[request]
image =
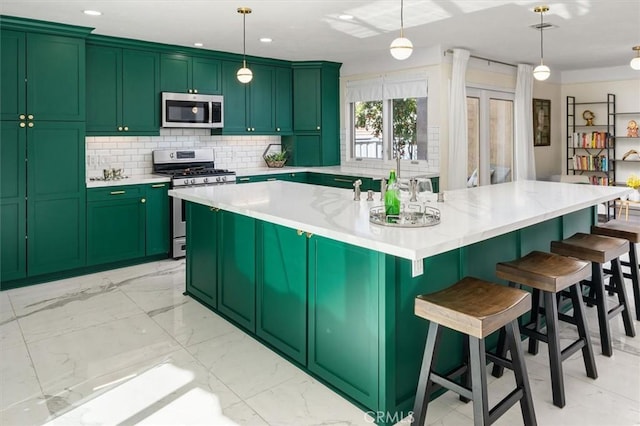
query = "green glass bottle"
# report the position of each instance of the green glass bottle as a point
(392, 196)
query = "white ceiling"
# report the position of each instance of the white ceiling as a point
(589, 33)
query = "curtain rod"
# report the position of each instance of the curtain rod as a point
(484, 59)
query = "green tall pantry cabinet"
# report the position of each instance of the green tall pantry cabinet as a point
(316, 110)
(43, 150)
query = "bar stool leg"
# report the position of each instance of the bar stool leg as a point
(583, 330)
(618, 279)
(479, 381)
(597, 284)
(555, 356)
(424, 382)
(635, 277)
(537, 318)
(520, 372)
(466, 376)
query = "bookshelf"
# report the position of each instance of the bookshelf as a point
(591, 148)
(623, 145)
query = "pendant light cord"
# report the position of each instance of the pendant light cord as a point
(244, 40)
(401, 18)
(541, 37)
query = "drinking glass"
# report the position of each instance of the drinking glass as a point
(425, 189)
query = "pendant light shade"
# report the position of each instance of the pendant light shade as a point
(541, 72)
(244, 74)
(635, 62)
(401, 48)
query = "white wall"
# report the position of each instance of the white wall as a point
(549, 158)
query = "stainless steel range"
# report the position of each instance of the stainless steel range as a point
(187, 167)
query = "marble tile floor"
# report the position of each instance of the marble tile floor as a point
(126, 347)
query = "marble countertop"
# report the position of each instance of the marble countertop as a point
(133, 180)
(333, 170)
(468, 215)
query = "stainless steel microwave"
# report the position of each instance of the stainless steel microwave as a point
(192, 110)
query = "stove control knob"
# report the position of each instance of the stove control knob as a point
(217, 178)
(193, 181)
(223, 178)
(206, 180)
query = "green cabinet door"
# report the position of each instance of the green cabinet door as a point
(12, 75)
(206, 75)
(104, 89)
(13, 219)
(157, 219)
(237, 284)
(281, 305)
(55, 77)
(140, 91)
(283, 102)
(343, 317)
(260, 98)
(304, 150)
(175, 73)
(202, 253)
(235, 104)
(307, 99)
(56, 209)
(116, 224)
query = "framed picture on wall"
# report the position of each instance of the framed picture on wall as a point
(541, 122)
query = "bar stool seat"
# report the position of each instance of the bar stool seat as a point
(550, 274)
(600, 249)
(475, 308)
(629, 231)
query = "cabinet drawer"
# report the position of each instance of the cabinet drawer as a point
(115, 192)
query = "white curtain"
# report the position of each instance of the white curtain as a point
(525, 165)
(458, 145)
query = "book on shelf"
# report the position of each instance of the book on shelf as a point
(590, 140)
(598, 163)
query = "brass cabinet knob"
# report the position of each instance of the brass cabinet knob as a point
(119, 128)
(126, 129)
(253, 129)
(317, 127)
(30, 124)
(23, 124)
(144, 200)
(195, 90)
(214, 209)
(299, 232)
(22, 116)
(309, 235)
(30, 116)
(190, 91)
(277, 129)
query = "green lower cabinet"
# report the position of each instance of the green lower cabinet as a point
(116, 224)
(281, 305)
(344, 317)
(237, 278)
(13, 249)
(202, 253)
(157, 219)
(290, 177)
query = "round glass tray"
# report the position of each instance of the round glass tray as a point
(414, 216)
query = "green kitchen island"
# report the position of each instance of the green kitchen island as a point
(301, 268)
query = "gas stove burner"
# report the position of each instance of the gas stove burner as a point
(191, 167)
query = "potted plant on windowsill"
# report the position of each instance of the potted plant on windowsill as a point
(275, 159)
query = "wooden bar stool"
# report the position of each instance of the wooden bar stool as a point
(549, 274)
(629, 231)
(475, 308)
(600, 249)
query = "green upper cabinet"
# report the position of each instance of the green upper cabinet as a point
(157, 219)
(123, 91)
(190, 74)
(43, 77)
(56, 205)
(262, 106)
(316, 139)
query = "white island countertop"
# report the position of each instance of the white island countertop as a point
(467, 215)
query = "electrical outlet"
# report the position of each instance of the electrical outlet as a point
(417, 268)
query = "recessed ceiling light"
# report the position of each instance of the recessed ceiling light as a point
(266, 40)
(92, 12)
(198, 44)
(346, 17)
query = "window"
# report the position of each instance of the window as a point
(388, 115)
(407, 133)
(490, 137)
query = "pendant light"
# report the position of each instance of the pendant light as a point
(635, 62)
(541, 72)
(244, 74)
(401, 48)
